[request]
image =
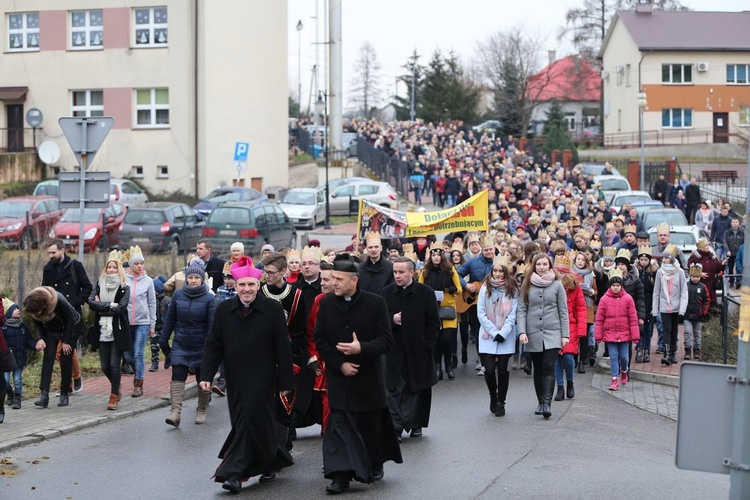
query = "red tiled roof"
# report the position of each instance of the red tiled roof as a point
(568, 79)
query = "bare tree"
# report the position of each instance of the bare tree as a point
(510, 61)
(365, 87)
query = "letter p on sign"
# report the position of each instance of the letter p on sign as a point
(240, 151)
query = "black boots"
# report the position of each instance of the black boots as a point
(673, 355)
(647, 355)
(592, 355)
(43, 400)
(571, 391)
(639, 352)
(688, 353)
(527, 367)
(439, 373)
(502, 392)
(583, 343)
(560, 395)
(63, 399)
(665, 359)
(491, 382)
(549, 388)
(449, 370)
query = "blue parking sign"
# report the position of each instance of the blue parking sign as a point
(240, 151)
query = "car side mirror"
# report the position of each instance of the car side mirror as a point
(35, 214)
(334, 195)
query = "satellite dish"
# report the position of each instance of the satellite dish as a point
(49, 152)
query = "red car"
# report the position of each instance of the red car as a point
(26, 220)
(67, 229)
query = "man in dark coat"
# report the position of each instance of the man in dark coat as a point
(693, 199)
(214, 265)
(352, 332)
(661, 188)
(258, 370)
(375, 273)
(68, 277)
(410, 368)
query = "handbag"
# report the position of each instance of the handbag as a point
(7, 361)
(719, 281)
(447, 312)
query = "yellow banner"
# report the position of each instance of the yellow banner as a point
(469, 215)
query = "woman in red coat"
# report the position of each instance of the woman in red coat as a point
(617, 326)
(578, 327)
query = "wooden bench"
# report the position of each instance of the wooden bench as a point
(719, 175)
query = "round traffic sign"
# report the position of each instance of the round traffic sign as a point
(34, 117)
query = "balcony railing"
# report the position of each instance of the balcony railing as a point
(18, 140)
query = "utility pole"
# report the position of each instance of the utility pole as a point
(739, 472)
(335, 141)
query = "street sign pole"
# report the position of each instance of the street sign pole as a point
(739, 473)
(82, 199)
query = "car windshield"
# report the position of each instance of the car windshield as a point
(227, 215)
(144, 217)
(299, 198)
(14, 209)
(679, 239)
(634, 198)
(48, 189)
(89, 215)
(222, 195)
(673, 218)
(614, 184)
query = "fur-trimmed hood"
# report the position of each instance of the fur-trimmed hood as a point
(49, 312)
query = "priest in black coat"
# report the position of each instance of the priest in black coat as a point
(249, 335)
(410, 367)
(352, 332)
(376, 272)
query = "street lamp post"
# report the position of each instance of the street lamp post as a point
(299, 67)
(321, 109)
(642, 104)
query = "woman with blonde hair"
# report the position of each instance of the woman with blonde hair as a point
(543, 325)
(109, 300)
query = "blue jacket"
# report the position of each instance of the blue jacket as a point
(738, 260)
(475, 269)
(19, 340)
(190, 319)
(507, 330)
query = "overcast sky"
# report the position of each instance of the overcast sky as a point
(396, 27)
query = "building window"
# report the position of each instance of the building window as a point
(738, 73)
(676, 73)
(162, 172)
(744, 115)
(23, 31)
(151, 27)
(86, 29)
(676, 118)
(136, 171)
(87, 103)
(627, 75)
(570, 121)
(152, 108)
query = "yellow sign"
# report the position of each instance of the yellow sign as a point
(744, 328)
(469, 215)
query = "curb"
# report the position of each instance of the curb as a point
(191, 391)
(655, 378)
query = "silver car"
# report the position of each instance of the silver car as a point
(306, 207)
(683, 237)
(376, 192)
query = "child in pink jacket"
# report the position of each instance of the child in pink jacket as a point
(616, 325)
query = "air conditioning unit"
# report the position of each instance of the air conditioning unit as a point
(702, 67)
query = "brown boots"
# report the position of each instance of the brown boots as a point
(137, 388)
(176, 392)
(203, 396)
(113, 399)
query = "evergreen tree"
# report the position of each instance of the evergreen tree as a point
(509, 100)
(447, 94)
(555, 117)
(414, 72)
(434, 95)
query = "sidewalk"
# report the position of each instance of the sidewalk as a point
(657, 398)
(32, 424)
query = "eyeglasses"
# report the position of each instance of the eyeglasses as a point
(310, 263)
(270, 273)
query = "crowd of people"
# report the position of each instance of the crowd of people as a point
(354, 339)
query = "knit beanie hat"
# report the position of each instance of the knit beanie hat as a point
(195, 269)
(196, 261)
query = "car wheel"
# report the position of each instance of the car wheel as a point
(26, 242)
(293, 241)
(174, 247)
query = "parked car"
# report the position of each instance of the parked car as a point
(491, 126)
(350, 143)
(25, 221)
(376, 192)
(595, 168)
(252, 224)
(622, 197)
(68, 227)
(612, 184)
(126, 192)
(226, 194)
(160, 226)
(47, 188)
(655, 216)
(305, 206)
(684, 237)
(641, 207)
(334, 183)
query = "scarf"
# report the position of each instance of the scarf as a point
(544, 280)
(13, 322)
(587, 280)
(497, 283)
(107, 289)
(192, 292)
(668, 272)
(497, 309)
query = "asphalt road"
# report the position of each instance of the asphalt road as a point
(592, 445)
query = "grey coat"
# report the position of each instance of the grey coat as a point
(545, 319)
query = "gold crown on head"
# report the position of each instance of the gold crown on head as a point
(311, 253)
(412, 256)
(436, 247)
(609, 252)
(672, 250)
(374, 236)
(488, 241)
(696, 270)
(457, 247)
(471, 238)
(609, 225)
(595, 244)
(292, 253)
(703, 242)
(407, 247)
(584, 233)
(644, 250)
(135, 251)
(615, 273)
(521, 269)
(563, 261)
(115, 255)
(501, 260)
(630, 228)
(227, 270)
(624, 253)
(662, 227)
(574, 222)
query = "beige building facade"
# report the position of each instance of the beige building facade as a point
(185, 80)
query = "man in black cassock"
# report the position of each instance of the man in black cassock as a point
(410, 367)
(249, 335)
(351, 334)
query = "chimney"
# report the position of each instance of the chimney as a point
(644, 7)
(551, 56)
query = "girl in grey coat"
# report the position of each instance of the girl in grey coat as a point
(670, 299)
(543, 326)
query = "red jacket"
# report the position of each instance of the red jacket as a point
(576, 318)
(617, 318)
